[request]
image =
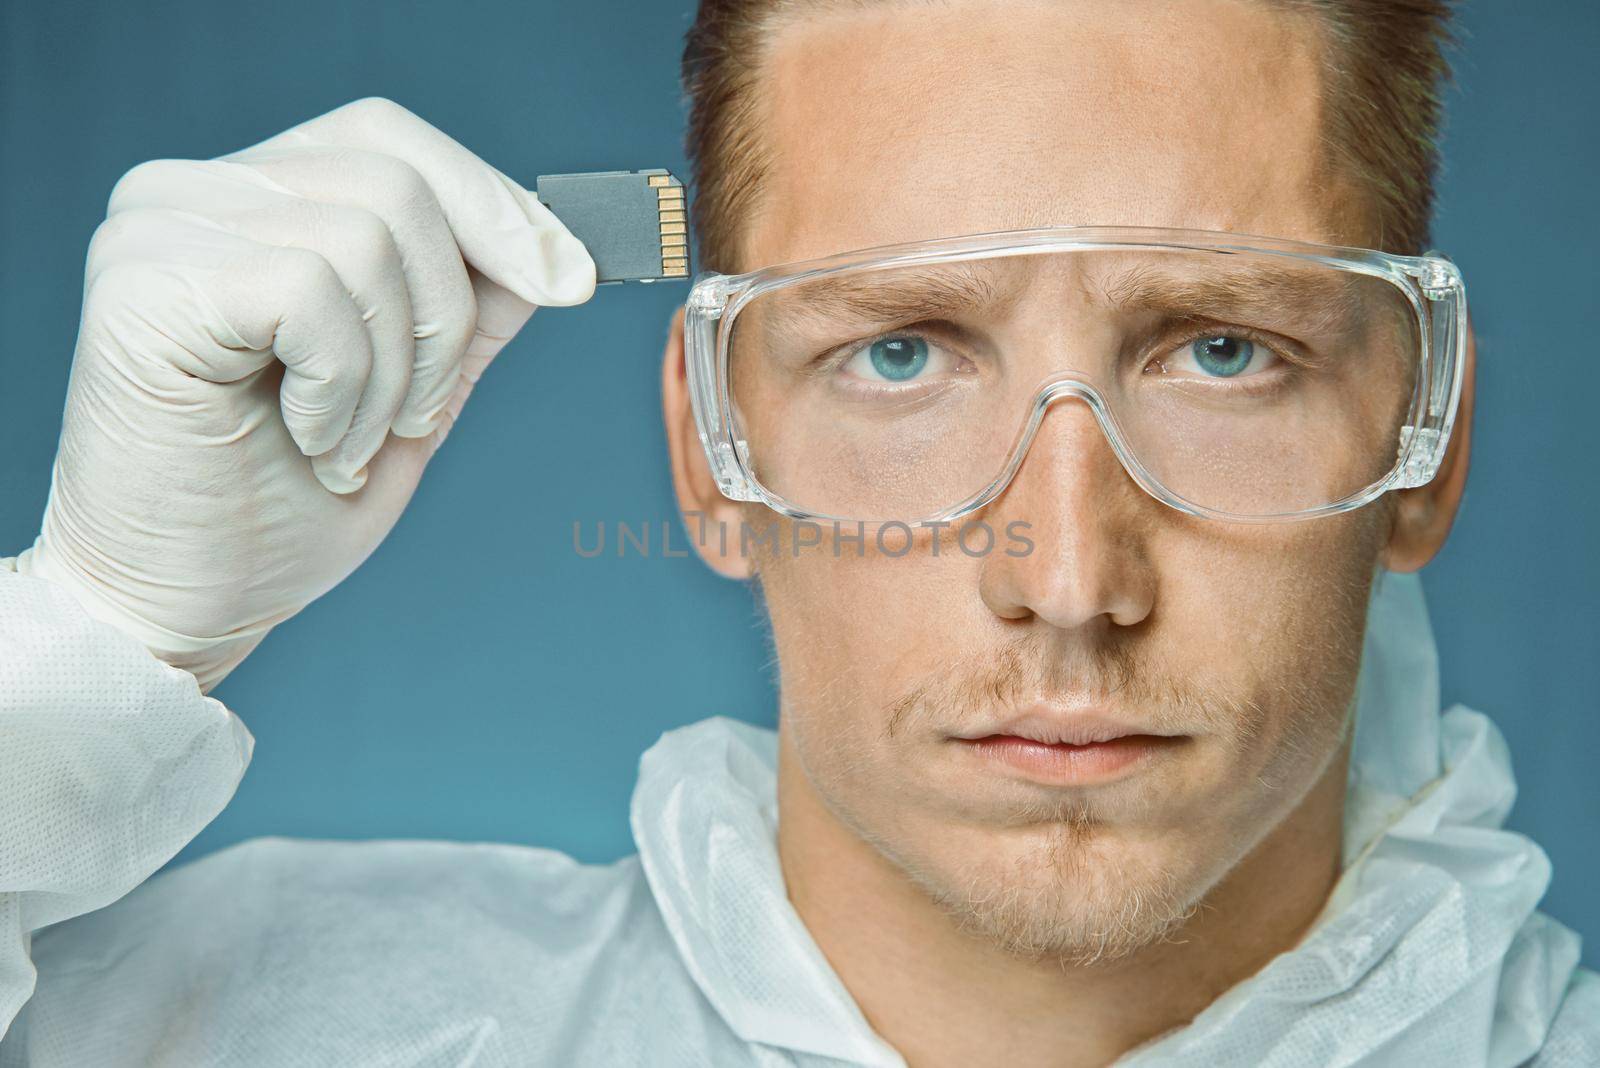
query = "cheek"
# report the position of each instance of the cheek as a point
(852, 613)
(1272, 618)
(856, 631)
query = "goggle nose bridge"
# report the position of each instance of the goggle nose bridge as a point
(1064, 385)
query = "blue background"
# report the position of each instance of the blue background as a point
(479, 680)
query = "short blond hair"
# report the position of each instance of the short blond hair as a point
(1386, 66)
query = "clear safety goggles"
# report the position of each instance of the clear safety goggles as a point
(1239, 378)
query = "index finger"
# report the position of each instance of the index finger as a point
(502, 229)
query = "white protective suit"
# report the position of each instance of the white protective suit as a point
(281, 952)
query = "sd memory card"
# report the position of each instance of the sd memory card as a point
(635, 224)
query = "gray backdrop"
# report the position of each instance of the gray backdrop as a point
(479, 680)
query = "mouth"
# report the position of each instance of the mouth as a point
(1069, 750)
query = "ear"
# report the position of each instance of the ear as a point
(712, 519)
(1423, 516)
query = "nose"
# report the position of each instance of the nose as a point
(1089, 526)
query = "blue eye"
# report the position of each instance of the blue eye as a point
(898, 358)
(1223, 357)
(900, 366)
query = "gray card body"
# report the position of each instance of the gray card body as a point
(634, 223)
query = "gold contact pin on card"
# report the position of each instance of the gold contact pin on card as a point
(673, 220)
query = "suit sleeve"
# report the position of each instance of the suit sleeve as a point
(110, 761)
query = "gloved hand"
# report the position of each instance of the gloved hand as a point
(272, 346)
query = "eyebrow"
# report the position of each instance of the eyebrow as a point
(896, 295)
(1321, 304)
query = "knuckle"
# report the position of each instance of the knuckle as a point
(361, 236)
(397, 186)
(379, 112)
(120, 284)
(113, 235)
(145, 183)
(140, 234)
(301, 275)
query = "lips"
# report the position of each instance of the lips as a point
(1068, 749)
(1054, 728)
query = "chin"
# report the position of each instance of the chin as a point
(1073, 892)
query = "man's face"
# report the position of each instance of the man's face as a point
(1236, 645)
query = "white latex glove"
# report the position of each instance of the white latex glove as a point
(273, 344)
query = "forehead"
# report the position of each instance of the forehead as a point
(905, 121)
